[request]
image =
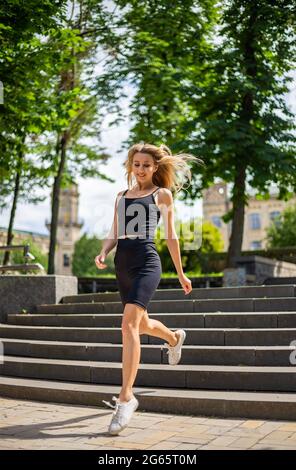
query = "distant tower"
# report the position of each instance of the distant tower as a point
(68, 231)
(215, 205)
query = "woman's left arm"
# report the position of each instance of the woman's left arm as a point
(166, 206)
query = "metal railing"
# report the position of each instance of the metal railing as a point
(27, 266)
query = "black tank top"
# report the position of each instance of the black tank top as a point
(137, 216)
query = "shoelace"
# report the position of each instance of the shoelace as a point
(116, 407)
(110, 404)
(171, 349)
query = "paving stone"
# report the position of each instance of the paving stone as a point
(239, 432)
(86, 428)
(252, 424)
(101, 440)
(186, 447)
(271, 447)
(109, 448)
(268, 427)
(230, 423)
(210, 447)
(149, 437)
(141, 424)
(288, 427)
(188, 420)
(131, 445)
(161, 416)
(170, 427)
(198, 439)
(167, 445)
(195, 431)
(277, 436)
(244, 442)
(223, 441)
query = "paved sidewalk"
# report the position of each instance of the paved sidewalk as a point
(38, 425)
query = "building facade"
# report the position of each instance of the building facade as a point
(258, 215)
(20, 236)
(68, 231)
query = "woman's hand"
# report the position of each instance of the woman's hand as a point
(99, 260)
(185, 283)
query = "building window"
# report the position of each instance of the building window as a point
(216, 221)
(66, 260)
(254, 221)
(255, 245)
(274, 217)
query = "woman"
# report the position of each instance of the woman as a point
(137, 263)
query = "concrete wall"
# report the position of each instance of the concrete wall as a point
(25, 292)
(255, 269)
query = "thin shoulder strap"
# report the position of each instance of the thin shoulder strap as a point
(125, 192)
(153, 195)
(155, 191)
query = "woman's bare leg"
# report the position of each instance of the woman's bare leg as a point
(135, 322)
(131, 348)
(151, 327)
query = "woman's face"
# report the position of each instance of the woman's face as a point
(143, 167)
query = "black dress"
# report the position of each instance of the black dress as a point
(137, 263)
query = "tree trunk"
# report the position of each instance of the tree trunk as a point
(246, 115)
(67, 83)
(55, 204)
(13, 209)
(236, 238)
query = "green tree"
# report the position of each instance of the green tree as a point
(282, 231)
(83, 264)
(51, 109)
(212, 241)
(21, 117)
(77, 107)
(25, 108)
(247, 131)
(156, 46)
(205, 238)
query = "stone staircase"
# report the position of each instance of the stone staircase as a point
(235, 361)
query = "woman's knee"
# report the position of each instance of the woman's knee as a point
(129, 328)
(131, 319)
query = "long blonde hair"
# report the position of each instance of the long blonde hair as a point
(173, 170)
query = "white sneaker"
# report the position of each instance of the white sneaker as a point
(175, 352)
(122, 414)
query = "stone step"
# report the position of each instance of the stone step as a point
(221, 404)
(179, 306)
(202, 355)
(203, 293)
(183, 320)
(236, 361)
(195, 336)
(239, 378)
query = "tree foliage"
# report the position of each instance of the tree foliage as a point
(86, 249)
(282, 231)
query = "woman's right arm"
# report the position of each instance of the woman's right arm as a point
(111, 240)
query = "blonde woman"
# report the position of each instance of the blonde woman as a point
(137, 264)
